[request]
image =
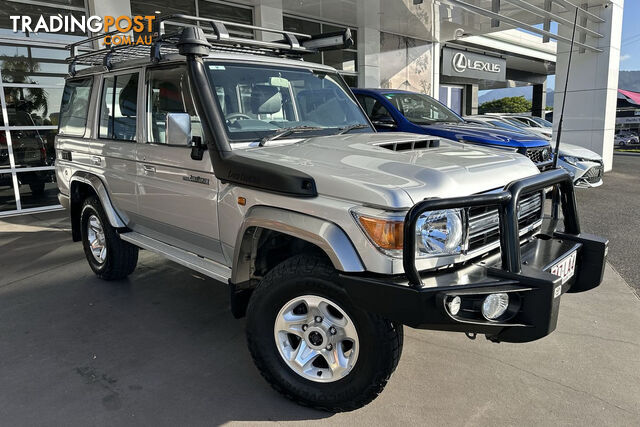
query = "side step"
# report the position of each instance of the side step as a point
(190, 260)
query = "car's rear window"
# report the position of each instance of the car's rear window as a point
(75, 106)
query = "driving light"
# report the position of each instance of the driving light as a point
(454, 305)
(495, 305)
(439, 233)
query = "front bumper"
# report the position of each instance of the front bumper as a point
(586, 174)
(419, 299)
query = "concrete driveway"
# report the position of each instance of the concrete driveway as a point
(162, 349)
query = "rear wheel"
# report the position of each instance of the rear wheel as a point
(109, 257)
(312, 344)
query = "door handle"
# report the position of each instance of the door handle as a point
(149, 169)
(96, 160)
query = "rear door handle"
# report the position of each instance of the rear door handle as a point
(96, 160)
(149, 169)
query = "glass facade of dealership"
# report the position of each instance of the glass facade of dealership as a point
(32, 71)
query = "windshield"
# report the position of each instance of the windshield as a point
(504, 125)
(542, 122)
(259, 101)
(514, 122)
(422, 109)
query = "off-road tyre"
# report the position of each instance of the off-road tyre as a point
(121, 257)
(380, 340)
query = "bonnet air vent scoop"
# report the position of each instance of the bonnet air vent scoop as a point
(411, 145)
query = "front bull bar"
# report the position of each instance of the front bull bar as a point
(507, 203)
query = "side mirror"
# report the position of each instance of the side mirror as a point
(178, 129)
(384, 122)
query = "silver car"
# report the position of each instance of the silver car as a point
(233, 157)
(586, 167)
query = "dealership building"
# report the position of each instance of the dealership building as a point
(449, 49)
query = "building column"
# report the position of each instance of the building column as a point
(268, 14)
(368, 43)
(108, 8)
(590, 113)
(539, 100)
(436, 50)
(111, 7)
(470, 100)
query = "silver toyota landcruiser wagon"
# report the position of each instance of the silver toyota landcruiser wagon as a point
(238, 159)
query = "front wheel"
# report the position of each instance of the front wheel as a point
(312, 344)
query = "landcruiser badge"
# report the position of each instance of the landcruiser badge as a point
(196, 179)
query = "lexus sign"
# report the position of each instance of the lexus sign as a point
(459, 63)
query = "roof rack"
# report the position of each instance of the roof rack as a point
(168, 30)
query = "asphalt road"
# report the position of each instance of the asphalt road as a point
(161, 348)
(613, 210)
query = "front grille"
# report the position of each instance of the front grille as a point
(539, 154)
(484, 221)
(593, 175)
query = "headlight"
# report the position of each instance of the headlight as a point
(439, 233)
(570, 159)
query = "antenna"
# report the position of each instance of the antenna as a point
(556, 196)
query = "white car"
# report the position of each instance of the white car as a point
(508, 122)
(585, 166)
(529, 124)
(534, 121)
(626, 138)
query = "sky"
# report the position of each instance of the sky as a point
(630, 48)
(630, 44)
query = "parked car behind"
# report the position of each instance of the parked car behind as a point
(534, 120)
(524, 123)
(493, 121)
(625, 138)
(585, 166)
(30, 150)
(403, 111)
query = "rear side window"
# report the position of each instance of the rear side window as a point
(75, 106)
(118, 107)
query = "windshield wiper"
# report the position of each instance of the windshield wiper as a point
(286, 132)
(349, 128)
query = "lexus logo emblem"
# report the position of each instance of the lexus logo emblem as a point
(461, 63)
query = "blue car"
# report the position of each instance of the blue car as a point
(402, 111)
